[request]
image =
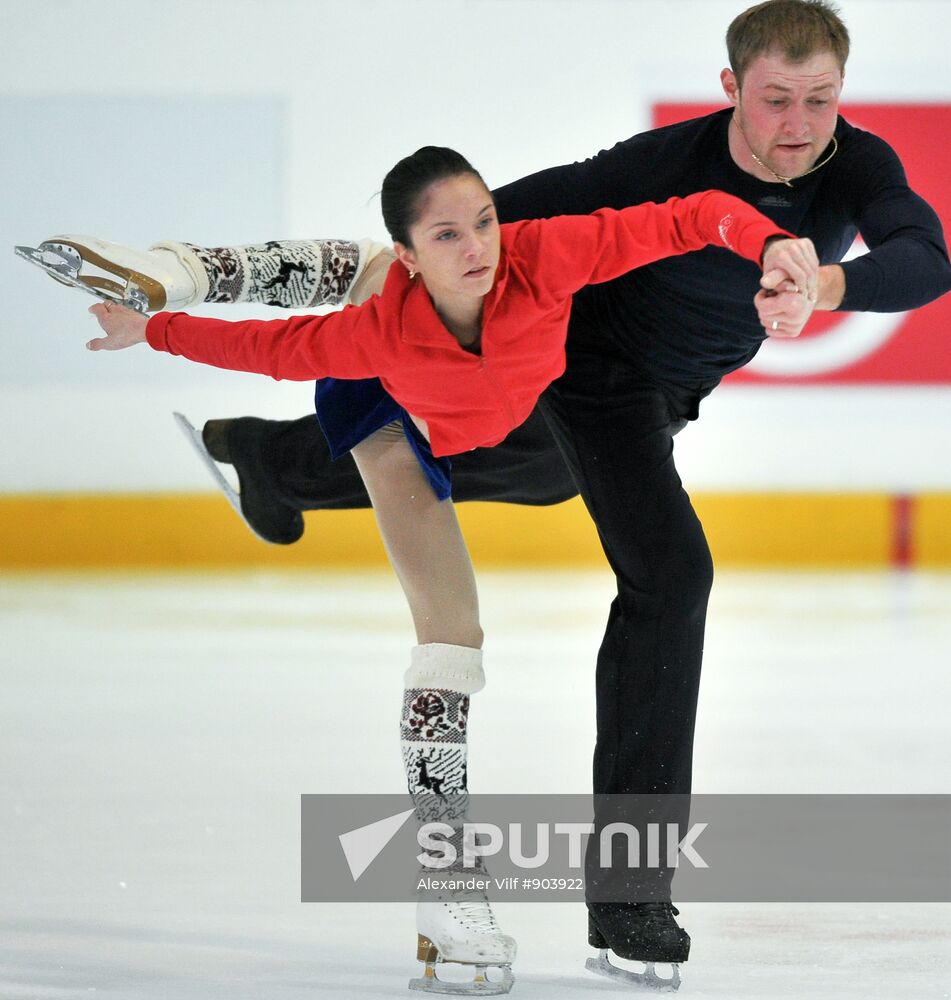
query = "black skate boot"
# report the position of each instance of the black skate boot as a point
(238, 442)
(637, 932)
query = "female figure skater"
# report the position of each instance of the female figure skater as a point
(467, 333)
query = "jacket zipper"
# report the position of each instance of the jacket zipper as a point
(498, 390)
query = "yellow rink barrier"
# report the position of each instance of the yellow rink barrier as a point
(809, 530)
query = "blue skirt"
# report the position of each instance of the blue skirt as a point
(350, 411)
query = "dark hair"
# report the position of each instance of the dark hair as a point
(406, 182)
(799, 29)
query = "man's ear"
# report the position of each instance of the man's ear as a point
(731, 86)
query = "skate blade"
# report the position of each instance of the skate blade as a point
(231, 494)
(479, 986)
(648, 979)
(63, 263)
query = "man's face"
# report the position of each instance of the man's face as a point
(787, 111)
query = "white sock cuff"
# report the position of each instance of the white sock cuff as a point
(193, 268)
(368, 250)
(441, 665)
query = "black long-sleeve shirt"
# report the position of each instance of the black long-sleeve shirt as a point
(690, 320)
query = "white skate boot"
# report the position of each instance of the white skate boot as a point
(168, 276)
(460, 927)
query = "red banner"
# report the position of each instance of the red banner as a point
(869, 348)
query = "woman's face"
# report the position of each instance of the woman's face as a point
(455, 239)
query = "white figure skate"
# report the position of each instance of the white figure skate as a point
(460, 928)
(144, 280)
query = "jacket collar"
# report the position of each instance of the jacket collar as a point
(420, 325)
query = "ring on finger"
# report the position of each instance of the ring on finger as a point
(775, 325)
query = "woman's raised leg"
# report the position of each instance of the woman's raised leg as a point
(294, 274)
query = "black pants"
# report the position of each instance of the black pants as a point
(616, 430)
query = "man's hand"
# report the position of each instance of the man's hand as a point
(784, 313)
(124, 327)
(790, 287)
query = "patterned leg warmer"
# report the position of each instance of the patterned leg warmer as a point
(455, 924)
(299, 274)
(438, 684)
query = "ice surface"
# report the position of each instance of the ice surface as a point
(156, 733)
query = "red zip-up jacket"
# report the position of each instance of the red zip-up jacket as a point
(473, 400)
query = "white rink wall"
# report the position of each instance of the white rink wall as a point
(235, 122)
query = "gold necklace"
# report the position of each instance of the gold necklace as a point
(787, 180)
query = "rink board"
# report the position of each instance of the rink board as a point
(810, 530)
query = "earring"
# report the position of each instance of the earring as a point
(412, 274)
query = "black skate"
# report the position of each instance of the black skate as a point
(269, 525)
(638, 932)
(238, 442)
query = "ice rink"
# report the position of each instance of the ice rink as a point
(157, 732)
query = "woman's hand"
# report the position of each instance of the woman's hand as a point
(793, 261)
(124, 327)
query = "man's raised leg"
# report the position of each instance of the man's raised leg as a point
(284, 467)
